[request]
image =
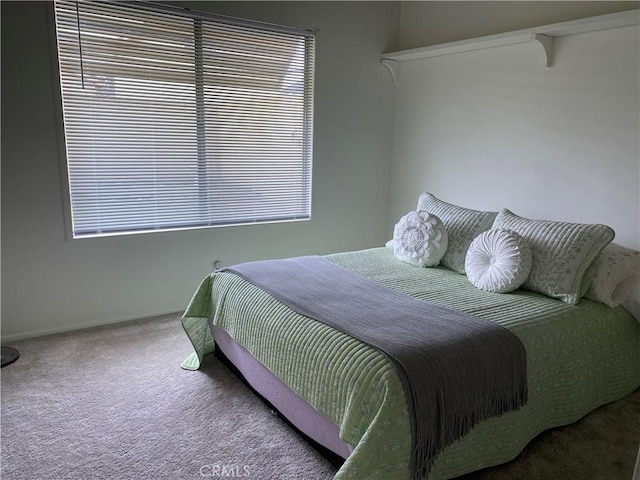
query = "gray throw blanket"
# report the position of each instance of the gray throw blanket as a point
(456, 369)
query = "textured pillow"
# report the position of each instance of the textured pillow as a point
(462, 224)
(613, 274)
(419, 238)
(498, 261)
(561, 251)
(632, 303)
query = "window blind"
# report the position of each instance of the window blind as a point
(177, 119)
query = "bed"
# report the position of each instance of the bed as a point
(348, 396)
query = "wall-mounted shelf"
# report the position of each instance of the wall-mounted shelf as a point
(541, 36)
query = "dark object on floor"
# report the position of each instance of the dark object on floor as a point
(9, 355)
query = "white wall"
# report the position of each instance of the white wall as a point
(492, 128)
(431, 22)
(485, 129)
(51, 283)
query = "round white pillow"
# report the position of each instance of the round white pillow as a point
(419, 238)
(498, 261)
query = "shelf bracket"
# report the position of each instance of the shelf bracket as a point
(545, 44)
(394, 69)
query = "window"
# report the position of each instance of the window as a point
(175, 119)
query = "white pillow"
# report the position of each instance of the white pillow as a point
(614, 273)
(419, 238)
(498, 261)
(562, 253)
(632, 303)
(462, 224)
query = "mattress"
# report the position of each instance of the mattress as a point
(579, 357)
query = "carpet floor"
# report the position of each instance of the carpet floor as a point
(113, 403)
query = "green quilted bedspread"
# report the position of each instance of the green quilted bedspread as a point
(579, 357)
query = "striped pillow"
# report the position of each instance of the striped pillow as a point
(561, 252)
(613, 274)
(462, 225)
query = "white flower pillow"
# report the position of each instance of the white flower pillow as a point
(498, 261)
(419, 238)
(462, 224)
(561, 251)
(614, 274)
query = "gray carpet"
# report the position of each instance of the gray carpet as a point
(113, 403)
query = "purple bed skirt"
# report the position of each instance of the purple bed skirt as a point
(294, 408)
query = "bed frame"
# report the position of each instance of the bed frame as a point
(610, 337)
